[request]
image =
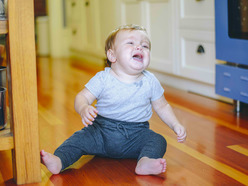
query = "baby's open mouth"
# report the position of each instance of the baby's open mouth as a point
(138, 57)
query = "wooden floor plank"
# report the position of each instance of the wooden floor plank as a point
(223, 168)
(239, 149)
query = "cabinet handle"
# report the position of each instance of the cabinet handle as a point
(74, 32)
(198, 0)
(87, 3)
(244, 94)
(244, 78)
(73, 4)
(200, 49)
(227, 89)
(227, 74)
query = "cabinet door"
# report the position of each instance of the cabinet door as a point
(85, 27)
(195, 14)
(156, 17)
(161, 30)
(196, 40)
(92, 28)
(197, 55)
(131, 12)
(75, 12)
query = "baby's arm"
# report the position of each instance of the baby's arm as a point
(166, 114)
(82, 105)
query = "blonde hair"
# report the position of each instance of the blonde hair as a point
(112, 36)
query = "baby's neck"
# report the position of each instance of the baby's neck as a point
(126, 78)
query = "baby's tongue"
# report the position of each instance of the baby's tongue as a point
(137, 57)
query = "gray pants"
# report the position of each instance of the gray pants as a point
(114, 139)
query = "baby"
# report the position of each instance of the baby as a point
(126, 93)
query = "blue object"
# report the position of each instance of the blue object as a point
(232, 46)
(232, 82)
(228, 49)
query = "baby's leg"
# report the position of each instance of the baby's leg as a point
(150, 161)
(83, 142)
(52, 162)
(149, 166)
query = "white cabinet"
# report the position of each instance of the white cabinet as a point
(83, 16)
(131, 12)
(177, 29)
(181, 32)
(91, 28)
(196, 14)
(196, 40)
(196, 54)
(74, 19)
(161, 28)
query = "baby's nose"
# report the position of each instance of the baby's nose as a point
(138, 47)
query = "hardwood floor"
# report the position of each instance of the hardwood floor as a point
(215, 152)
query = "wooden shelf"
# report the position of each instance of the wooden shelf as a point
(6, 139)
(3, 27)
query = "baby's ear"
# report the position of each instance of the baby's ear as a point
(111, 56)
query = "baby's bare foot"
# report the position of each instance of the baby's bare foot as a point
(52, 162)
(148, 166)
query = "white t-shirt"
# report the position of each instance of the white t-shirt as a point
(122, 101)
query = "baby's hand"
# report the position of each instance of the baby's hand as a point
(181, 133)
(88, 115)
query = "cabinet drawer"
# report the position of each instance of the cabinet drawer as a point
(197, 55)
(232, 82)
(242, 79)
(197, 9)
(196, 14)
(76, 37)
(225, 81)
(74, 11)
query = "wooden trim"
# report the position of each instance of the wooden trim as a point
(23, 92)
